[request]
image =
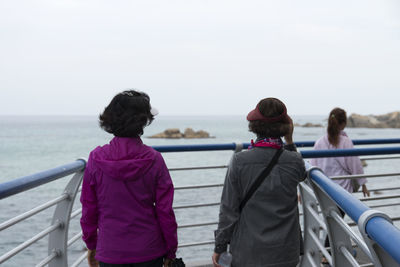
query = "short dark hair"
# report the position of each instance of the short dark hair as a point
(270, 107)
(127, 114)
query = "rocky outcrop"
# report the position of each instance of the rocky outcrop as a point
(175, 133)
(390, 120)
(309, 124)
(190, 133)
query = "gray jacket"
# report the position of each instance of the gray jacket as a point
(267, 231)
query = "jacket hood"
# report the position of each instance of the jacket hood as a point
(124, 158)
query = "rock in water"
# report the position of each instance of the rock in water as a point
(175, 133)
(390, 120)
(309, 124)
(189, 133)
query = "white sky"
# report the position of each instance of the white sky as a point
(203, 57)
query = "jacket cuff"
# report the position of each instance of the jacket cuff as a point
(220, 248)
(171, 255)
(91, 245)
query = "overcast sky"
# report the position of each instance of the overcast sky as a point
(200, 57)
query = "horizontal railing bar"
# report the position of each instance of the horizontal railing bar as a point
(361, 244)
(376, 141)
(379, 198)
(29, 242)
(76, 213)
(198, 168)
(364, 176)
(349, 152)
(27, 182)
(379, 158)
(197, 186)
(79, 260)
(197, 205)
(234, 146)
(32, 212)
(220, 185)
(74, 239)
(195, 148)
(356, 176)
(196, 244)
(31, 181)
(384, 205)
(383, 189)
(46, 260)
(197, 225)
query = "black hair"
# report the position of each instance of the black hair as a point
(270, 107)
(127, 114)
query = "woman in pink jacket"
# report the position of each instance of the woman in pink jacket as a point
(336, 138)
(127, 192)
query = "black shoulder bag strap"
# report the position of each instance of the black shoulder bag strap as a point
(260, 178)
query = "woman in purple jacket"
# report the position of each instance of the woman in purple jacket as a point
(127, 192)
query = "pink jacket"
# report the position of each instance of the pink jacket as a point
(127, 196)
(339, 166)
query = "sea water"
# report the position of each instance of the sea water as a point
(31, 144)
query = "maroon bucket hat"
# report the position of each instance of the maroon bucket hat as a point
(256, 115)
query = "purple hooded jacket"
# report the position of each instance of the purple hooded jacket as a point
(127, 196)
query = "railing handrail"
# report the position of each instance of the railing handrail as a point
(378, 228)
(233, 146)
(34, 180)
(25, 183)
(356, 142)
(305, 154)
(350, 152)
(351, 205)
(385, 234)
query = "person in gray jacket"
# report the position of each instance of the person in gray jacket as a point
(266, 231)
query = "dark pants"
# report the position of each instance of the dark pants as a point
(153, 263)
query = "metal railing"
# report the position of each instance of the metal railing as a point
(313, 204)
(320, 191)
(58, 230)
